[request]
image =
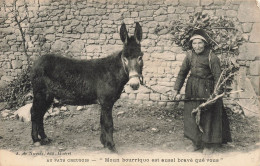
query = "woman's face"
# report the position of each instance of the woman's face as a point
(198, 45)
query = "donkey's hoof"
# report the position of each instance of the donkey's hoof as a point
(37, 144)
(113, 149)
(45, 141)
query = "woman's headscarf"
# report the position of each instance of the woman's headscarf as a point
(199, 34)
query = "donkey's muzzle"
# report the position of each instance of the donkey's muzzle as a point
(135, 81)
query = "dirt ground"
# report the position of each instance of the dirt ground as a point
(146, 129)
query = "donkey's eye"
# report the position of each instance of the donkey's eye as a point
(125, 60)
(140, 59)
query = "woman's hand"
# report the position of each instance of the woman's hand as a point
(175, 95)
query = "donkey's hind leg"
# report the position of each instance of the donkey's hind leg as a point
(41, 103)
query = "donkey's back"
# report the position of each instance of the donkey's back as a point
(69, 80)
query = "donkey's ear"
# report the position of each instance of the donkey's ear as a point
(138, 33)
(123, 33)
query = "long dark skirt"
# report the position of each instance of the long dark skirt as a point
(214, 119)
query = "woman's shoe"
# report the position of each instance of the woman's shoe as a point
(193, 148)
(208, 150)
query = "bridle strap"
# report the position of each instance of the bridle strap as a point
(140, 76)
(123, 65)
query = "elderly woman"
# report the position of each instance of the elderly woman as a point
(204, 68)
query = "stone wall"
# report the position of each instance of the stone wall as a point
(90, 29)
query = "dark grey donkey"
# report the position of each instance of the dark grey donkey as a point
(83, 82)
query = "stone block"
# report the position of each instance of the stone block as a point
(162, 89)
(219, 2)
(124, 96)
(101, 12)
(141, 96)
(220, 12)
(93, 36)
(176, 50)
(160, 11)
(59, 45)
(134, 14)
(247, 27)
(190, 3)
(79, 29)
(17, 64)
(2, 72)
(77, 46)
(108, 30)
(93, 48)
(169, 56)
(143, 90)
(255, 83)
(162, 104)
(7, 31)
(166, 84)
(3, 84)
(190, 10)
(129, 21)
(88, 12)
(209, 12)
(50, 37)
(73, 36)
(180, 57)
(155, 96)
(10, 37)
(180, 10)
(132, 96)
(171, 9)
(44, 2)
(171, 2)
(148, 103)
(109, 49)
(254, 68)
(161, 18)
(128, 89)
(115, 16)
(206, 2)
(161, 70)
(173, 17)
(7, 78)
(248, 12)
(249, 51)
(4, 47)
(74, 22)
(146, 13)
(255, 33)
(231, 13)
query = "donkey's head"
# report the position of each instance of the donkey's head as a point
(132, 55)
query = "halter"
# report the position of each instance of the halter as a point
(123, 64)
(140, 76)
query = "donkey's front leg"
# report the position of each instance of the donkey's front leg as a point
(106, 122)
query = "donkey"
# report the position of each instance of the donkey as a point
(83, 82)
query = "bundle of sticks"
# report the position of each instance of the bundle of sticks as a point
(217, 94)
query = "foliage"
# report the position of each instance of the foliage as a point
(15, 92)
(223, 35)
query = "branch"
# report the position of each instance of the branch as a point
(220, 78)
(18, 22)
(223, 28)
(211, 100)
(223, 82)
